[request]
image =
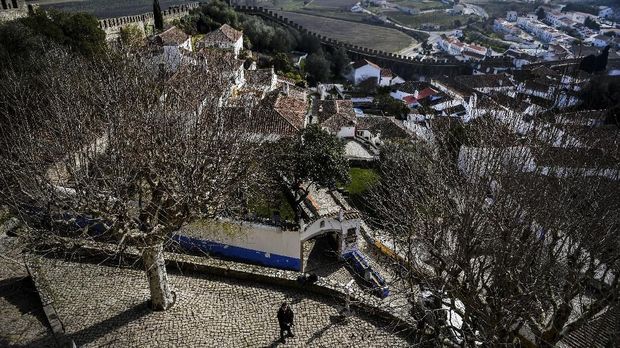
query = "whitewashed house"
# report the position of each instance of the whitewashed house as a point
(172, 42)
(601, 41)
(363, 70)
(450, 45)
(512, 16)
(225, 37)
(357, 8)
(605, 11)
(388, 78)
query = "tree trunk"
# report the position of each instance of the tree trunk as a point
(155, 265)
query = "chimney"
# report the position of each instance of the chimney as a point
(285, 89)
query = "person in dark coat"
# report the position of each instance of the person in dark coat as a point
(285, 319)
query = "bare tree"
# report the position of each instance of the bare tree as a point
(133, 152)
(526, 249)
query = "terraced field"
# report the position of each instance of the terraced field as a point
(443, 19)
(360, 34)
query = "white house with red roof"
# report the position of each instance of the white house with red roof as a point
(170, 46)
(224, 37)
(363, 70)
(388, 78)
(450, 45)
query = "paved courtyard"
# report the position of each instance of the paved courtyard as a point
(106, 306)
(22, 322)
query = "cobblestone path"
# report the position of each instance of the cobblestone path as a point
(106, 306)
(22, 322)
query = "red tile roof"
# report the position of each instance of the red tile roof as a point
(410, 100)
(426, 92)
(335, 114)
(386, 73)
(364, 62)
(223, 34)
(172, 36)
(279, 114)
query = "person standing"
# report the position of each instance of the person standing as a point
(285, 319)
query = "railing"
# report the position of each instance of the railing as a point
(361, 266)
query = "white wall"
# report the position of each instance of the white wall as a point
(366, 72)
(346, 132)
(269, 239)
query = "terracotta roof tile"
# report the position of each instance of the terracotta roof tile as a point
(172, 36)
(363, 62)
(223, 35)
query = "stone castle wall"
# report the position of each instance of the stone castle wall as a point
(113, 26)
(12, 9)
(405, 66)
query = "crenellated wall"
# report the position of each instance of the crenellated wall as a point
(112, 26)
(12, 9)
(405, 66)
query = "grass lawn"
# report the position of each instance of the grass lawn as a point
(361, 179)
(499, 9)
(420, 4)
(472, 36)
(336, 14)
(365, 35)
(445, 20)
(296, 5)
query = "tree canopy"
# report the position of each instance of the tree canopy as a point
(31, 35)
(158, 16)
(312, 157)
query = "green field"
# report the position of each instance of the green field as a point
(365, 35)
(361, 180)
(335, 14)
(296, 5)
(445, 20)
(497, 9)
(420, 5)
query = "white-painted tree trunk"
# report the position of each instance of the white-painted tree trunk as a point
(161, 296)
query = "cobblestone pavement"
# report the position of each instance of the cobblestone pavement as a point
(22, 322)
(105, 306)
(356, 150)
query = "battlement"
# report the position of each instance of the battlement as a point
(12, 9)
(449, 66)
(173, 12)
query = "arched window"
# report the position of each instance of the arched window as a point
(4, 7)
(14, 3)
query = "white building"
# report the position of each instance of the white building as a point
(388, 78)
(580, 17)
(542, 31)
(172, 41)
(363, 70)
(225, 37)
(512, 16)
(605, 12)
(357, 8)
(450, 45)
(501, 25)
(601, 41)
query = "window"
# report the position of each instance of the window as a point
(351, 236)
(4, 7)
(14, 3)
(322, 224)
